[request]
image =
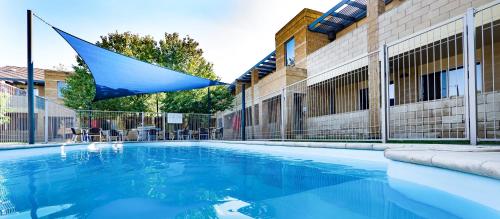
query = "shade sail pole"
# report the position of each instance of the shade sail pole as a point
(31, 86)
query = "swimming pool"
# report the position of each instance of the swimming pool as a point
(166, 180)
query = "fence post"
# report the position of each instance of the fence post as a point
(383, 83)
(470, 62)
(283, 113)
(163, 115)
(46, 122)
(242, 117)
(31, 96)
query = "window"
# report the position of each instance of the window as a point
(392, 94)
(363, 99)
(431, 86)
(290, 52)
(444, 84)
(456, 83)
(273, 109)
(60, 85)
(36, 92)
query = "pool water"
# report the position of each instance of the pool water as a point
(141, 181)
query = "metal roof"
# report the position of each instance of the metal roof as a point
(345, 13)
(265, 67)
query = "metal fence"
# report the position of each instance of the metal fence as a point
(487, 61)
(426, 84)
(436, 84)
(336, 104)
(146, 126)
(53, 122)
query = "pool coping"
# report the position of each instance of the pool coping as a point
(478, 160)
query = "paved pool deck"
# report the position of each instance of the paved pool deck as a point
(481, 160)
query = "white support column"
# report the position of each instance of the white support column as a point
(283, 113)
(470, 66)
(383, 83)
(46, 122)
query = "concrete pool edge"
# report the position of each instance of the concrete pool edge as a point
(474, 162)
(477, 160)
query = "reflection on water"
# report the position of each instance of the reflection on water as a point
(196, 182)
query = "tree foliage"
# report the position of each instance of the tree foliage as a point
(4, 99)
(173, 52)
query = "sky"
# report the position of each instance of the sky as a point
(234, 34)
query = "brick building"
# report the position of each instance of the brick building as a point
(48, 83)
(375, 69)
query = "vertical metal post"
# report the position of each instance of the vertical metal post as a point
(31, 96)
(283, 113)
(209, 103)
(470, 62)
(142, 134)
(209, 112)
(46, 121)
(163, 115)
(243, 132)
(383, 84)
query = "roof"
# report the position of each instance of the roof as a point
(264, 66)
(15, 73)
(343, 14)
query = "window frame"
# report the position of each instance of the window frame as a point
(287, 52)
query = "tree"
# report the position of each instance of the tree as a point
(4, 100)
(171, 52)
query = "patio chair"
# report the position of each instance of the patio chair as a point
(187, 134)
(161, 135)
(132, 135)
(213, 133)
(202, 133)
(114, 135)
(95, 132)
(220, 133)
(171, 135)
(76, 133)
(151, 135)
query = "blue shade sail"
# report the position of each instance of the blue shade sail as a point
(116, 75)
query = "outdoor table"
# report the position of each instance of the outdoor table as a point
(143, 131)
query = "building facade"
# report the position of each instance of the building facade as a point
(48, 83)
(376, 70)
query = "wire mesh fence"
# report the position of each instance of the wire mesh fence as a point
(426, 84)
(53, 122)
(424, 91)
(335, 105)
(144, 126)
(487, 56)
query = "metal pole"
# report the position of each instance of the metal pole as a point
(31, 97)
(209, 103)
(209, 111)
(383, 83)
(283, 113)
(471, 73)
(243, 137)
(163, 115)
(46, 121)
